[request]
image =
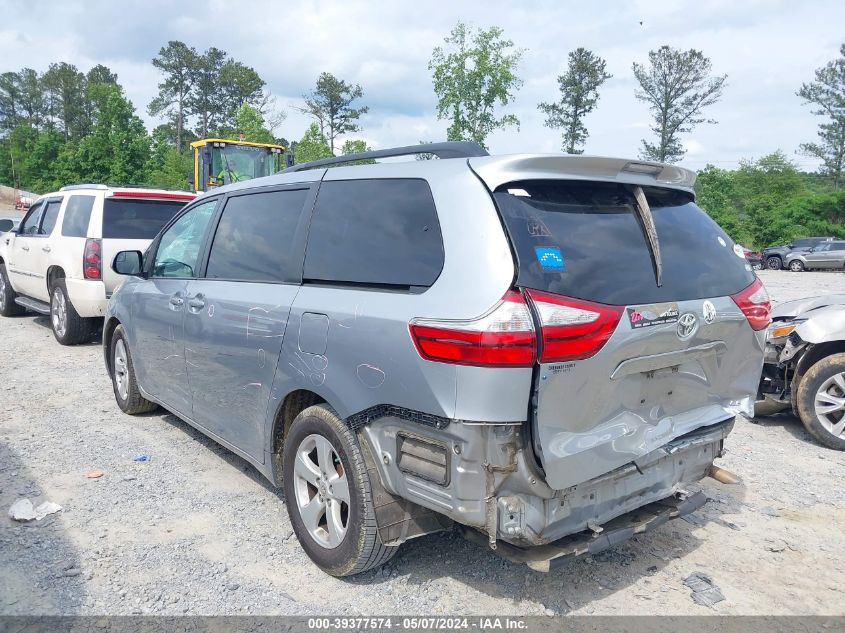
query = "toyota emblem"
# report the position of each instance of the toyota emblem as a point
(687, 326)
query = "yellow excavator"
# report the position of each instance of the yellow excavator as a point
(220, 161)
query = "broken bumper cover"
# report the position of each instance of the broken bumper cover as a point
(545, 558)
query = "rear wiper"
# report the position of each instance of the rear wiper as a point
(646, 221)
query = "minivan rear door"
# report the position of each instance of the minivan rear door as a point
(648, 362)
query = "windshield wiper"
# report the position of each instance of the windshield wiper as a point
(646, 221)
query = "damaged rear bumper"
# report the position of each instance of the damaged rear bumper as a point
(545, 558)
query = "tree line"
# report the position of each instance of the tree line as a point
(65, 125)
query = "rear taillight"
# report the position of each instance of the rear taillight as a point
(755, 305)
(504, 337)
(92, 260)
(572, 329)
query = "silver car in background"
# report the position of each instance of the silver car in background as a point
(824, 256)
(546, 350)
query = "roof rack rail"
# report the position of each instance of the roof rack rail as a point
(83, 186)
(452, 149)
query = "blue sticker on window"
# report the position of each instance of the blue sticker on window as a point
(549, 258)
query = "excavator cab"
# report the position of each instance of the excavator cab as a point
(221, 162)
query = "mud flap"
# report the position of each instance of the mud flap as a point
(545, 558)
(398, 519)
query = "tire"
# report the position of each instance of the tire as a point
(341, 548)
(826, 379)
(123, 380)
(796, 266)
(774, 263)
(8, 307)
(68, 327)
(758, 266)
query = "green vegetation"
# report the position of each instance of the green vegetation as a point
(768, 201)
(64, 126)
(472, 73)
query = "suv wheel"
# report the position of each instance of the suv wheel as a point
(774, 263)
(8, 307)
(328, 496)
(123, 381)
(68, 327)
(821, 401)
(796, 265)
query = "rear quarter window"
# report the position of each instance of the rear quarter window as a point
(583, 239)
(137, 219)
(379, 232)
(77, 216)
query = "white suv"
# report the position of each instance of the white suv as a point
(53, 262)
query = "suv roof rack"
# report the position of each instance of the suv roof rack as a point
(83, 186)
(452, 149)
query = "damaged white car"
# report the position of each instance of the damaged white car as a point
(805, 366)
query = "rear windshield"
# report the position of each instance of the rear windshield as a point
(584, 240)
(137, 219)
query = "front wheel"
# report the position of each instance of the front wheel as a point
(8, 307)
(328, 495)
(821, 401)
(796, 266)
(774, 263)
(125, 385)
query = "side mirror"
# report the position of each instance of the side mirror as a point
(128, 263)
(6, 225)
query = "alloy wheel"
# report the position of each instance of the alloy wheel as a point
(2, 289)
(830, 404)
(322, 491)
(121, 371)
(58, 312)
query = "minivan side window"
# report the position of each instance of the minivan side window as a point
(179, 249)
(29, 225)
(255, 237)
(51, 214)
(379, 232)
(77, 216)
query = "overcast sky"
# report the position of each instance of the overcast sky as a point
(767, 49)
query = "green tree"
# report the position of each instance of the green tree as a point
(330, 103)
(827, 94)
(239, 85)
(66, 92)
(473, 73)
(206, 100)
(579, 94)
(167, 167)
(10, 102)
(249, 122)
(118, 148)
(312, 146)
(677, 86)
(178, 63)
(357, 146)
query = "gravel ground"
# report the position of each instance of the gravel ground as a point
(196, 530)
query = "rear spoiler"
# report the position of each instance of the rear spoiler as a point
(498, 170)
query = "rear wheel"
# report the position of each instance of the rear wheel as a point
(328, 495)
(820, 401)
(125, 386)
(774, 263)
(68, 327)
(8, 307)
(796, 265)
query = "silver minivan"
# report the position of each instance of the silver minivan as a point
(545, 350)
